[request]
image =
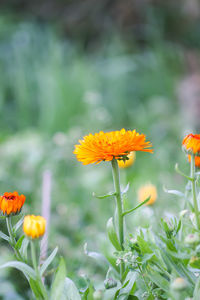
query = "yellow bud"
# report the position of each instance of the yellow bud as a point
(145, 191)
(127, 163)
(34, 226)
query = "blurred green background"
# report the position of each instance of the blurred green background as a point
(68, 68)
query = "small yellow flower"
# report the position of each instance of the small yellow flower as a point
(147, 190)
(128, 162)
(34, 226)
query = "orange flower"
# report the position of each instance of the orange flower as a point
(107, 146)
(191, 144)
(128, 162)
(34, 226)
(197, 160)
(11, 203)
(147, 190)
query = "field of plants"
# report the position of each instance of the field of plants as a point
(99, 158)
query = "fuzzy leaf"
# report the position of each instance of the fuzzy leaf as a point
(70, 291)
(48, 261)
(4, 236)
(104, 196)
(27, 270)
(112, 235)
(59, 281)
(18, 224)
(95, 255)
(19, 242)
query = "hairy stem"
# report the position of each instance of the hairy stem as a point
(118, 197)
(12, 238)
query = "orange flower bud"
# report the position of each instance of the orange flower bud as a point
(34, 226)
(127, 163)
(191, 144)
(196, 159)
(11, 203)
(147, 190)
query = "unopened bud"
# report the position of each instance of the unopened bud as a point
(194, 262)
(192, 238)
(179, 284)
(109, 283)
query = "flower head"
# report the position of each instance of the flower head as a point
(107, 146)
(191, 144)
(128, 162)
(196, 159)
(11, 203)
(34, 226)
(148, 190)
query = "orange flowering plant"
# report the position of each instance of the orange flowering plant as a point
(112, 147)
(34, 228)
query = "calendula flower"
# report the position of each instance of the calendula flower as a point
(11, 203)
(107, 146)
(128, 162)
(191, 144)
(147, 190)
(34, 226)
(196, 159)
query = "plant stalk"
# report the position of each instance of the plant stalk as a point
(12, 238)
(116, 179)
(38, 276)
(194, 195)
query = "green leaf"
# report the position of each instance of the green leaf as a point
(133, 209)
(174, 192)
(182, 174)
(24, 246)
(48, 261)
(112, 235)
(19, 242)
(124, 292)
(63, 288)
(59, 281)
(197, 290)
(95, 255)
(104, 196)
(27, 270)
(36, 288)
(18, 224)
(126, 189)
(70, 291)
(158, 280)
(4, 236)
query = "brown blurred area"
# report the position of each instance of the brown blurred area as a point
(89, 20)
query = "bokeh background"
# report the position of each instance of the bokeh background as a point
(68, 68)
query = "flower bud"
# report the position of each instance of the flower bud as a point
(11, 203)
(34, 226)
(179, 284)
(192, 238)
(109, 283)
(194, 262)
(168, 226)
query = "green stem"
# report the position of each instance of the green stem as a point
(118, 197)
(196, 210)
(12, 238)
(38, 276)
